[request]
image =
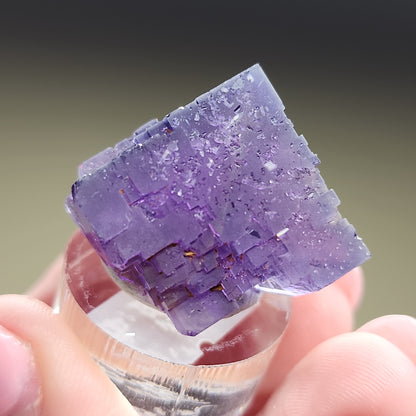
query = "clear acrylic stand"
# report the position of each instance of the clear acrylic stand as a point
(160, 371)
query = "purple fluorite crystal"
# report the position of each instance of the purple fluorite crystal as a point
(222, 197)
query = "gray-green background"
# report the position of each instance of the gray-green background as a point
(75, 77)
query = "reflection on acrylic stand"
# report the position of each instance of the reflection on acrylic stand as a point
(160, 371)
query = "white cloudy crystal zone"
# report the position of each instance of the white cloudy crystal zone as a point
(150, 331)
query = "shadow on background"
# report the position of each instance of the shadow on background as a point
(79, 76)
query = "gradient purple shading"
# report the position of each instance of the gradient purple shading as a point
(197, 213)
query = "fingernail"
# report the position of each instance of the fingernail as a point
(19, 383)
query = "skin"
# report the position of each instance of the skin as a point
(322, 367)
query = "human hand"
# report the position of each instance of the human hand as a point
(320, 367)
(323, 368)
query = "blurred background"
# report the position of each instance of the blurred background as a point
(78, 76)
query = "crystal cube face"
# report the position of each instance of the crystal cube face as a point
(199, 212)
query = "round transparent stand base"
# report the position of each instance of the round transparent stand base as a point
(160, 371)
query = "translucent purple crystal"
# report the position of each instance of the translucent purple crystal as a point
(221, 198)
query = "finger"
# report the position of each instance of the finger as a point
(400, 330)
(70, 382)
(45, 288)
(19, 383)
(352, 374)
(314, 318)
(352, 285)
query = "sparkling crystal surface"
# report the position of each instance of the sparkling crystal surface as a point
(198, 212)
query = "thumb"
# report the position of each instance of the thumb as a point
(62, 378)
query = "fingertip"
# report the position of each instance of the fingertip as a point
(352, 286)
(355, 374)
(20, 391)
(314, 318)
(45, 288)
(400, 330)
(71, 382)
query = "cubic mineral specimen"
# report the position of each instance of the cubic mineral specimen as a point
(197, 213)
